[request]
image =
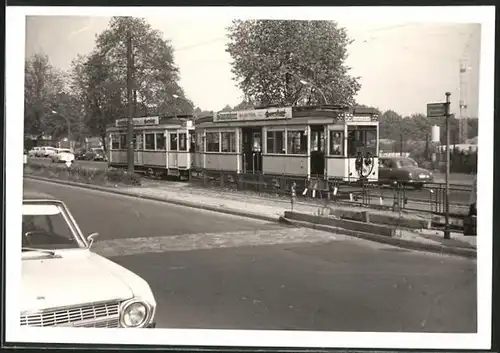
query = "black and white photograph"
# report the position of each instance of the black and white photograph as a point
(263, 177)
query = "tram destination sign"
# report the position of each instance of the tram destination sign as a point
(436, 110)
(257, 114)
(144, 121)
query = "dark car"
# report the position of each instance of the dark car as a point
(402, 170)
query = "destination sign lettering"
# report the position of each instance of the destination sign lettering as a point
(145, 121)
(257, 114)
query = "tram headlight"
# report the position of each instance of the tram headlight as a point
(134, 314)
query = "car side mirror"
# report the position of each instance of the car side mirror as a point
(91, 238)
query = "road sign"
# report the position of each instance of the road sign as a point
(68, 164)
(435, 110)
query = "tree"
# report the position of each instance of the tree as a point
(271, 58)
(101, 77)
(42, 83)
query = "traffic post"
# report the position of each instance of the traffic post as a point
(436, 110)
(294, 194)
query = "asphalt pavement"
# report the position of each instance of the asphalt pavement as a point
(210, 270)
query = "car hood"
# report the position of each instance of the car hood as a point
(75, 277)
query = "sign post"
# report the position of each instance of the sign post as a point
(437, 110)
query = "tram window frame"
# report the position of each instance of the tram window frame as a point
(182, 141)
(174, 142)
(160, 136)
(231, 143)
(303, 142)
(115, 141)
(139, 142)
(332, 145)
(364, 130)
(123, 141)
(209, 144)
(273, 147)
(149, 145)
(200, 146)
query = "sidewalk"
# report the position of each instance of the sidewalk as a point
(274, 208)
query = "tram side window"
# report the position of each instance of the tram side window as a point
(275, 142)
(160, 141)
(192, 142)
(173, 142)
(182, 141)
(228, 141)
(297, 142)
(336, 143)
(213, 142)
(123, 141)
(115, 142)
(361, 139)
(150, 142)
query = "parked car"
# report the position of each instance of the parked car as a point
(33, 152)
(48, 151)
(99, 155)
(403, 170)
(65, 284)
(80, 154)
(63, 155)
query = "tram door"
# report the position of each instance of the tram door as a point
(318, 147)
(252, 150)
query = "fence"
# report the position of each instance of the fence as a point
(431, 198)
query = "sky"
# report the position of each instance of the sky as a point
(402, 67)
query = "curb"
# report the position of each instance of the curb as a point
(159, 199)
(401, 243)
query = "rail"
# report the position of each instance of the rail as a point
(383, 195)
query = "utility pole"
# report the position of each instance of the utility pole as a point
(447, 180)
(130, 122)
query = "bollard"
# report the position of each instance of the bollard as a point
(294, 194)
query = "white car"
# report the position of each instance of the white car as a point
(34, 152)
(63, 155)
(65, 284)
(49, 151)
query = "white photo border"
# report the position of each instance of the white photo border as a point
(15, 54)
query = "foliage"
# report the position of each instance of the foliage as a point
(417, 127)
(83, 175)
(271, 57)
(41, 85)
(101, 77)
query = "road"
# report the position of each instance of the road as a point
(210, 270)
(458, 195)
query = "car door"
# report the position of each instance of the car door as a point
(383, 169)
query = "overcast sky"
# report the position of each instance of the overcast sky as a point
(402, 67)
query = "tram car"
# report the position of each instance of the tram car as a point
(329, 142)
(163, 146)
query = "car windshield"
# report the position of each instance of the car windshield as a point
(64, 151)
(407, 162)
(47, 226)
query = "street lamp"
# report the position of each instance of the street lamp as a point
(305, 83)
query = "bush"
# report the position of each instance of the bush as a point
(83, 175)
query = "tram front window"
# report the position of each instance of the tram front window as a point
(361, 139)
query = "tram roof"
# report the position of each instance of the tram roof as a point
(152, 121)
(311, 111)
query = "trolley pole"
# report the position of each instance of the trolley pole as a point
(130, 122)
(447, 178)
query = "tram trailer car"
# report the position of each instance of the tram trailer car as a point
(324, 142)
(163, 146)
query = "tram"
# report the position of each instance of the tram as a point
(330, 142)
(163, 146)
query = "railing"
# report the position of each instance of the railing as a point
(383, 195)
